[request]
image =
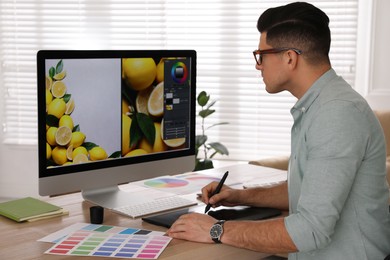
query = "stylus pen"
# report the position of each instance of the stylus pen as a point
(217, 190)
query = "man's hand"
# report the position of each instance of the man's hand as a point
(193, 227)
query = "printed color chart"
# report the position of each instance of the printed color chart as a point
(123, 245)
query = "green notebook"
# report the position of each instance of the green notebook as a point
(27, 208)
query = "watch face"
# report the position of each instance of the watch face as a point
(216, 231)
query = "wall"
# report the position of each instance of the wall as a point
(19, 167)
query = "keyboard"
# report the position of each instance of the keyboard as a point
(154, 206)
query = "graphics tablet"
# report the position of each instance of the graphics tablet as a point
(226, 213)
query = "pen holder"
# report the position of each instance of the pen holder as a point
(96, 214)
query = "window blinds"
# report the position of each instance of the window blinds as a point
(223, 32)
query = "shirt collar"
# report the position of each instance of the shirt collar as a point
(312, 93)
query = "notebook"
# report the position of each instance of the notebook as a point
(234, 213)
(29, 209)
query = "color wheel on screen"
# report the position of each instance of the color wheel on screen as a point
(166, 183)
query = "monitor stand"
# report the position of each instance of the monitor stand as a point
(112, 197)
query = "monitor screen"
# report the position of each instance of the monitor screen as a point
(112, 117)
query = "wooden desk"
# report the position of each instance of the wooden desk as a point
(19, 240)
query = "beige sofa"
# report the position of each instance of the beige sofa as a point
(384, 119)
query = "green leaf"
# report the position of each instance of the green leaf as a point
(52, 120)
(203, 98)
(222, 123)
(135, 132)
(67, 97)
(205, 113)
(200, 140)
(219, 148)
(52, 72)
(76, 128)
(211, 104)
(146, 125)
(89, 145)
(116, 154)
(59, 67)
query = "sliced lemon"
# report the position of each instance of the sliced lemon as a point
(63, 135)
(49, 81)
(69, 107)
(80, 158)
(156, 101)
(60, 76)
(69, 153)
(58, 89)
(141, 102)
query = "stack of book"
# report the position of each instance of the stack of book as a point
(30, 209)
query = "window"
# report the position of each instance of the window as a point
(222, 32)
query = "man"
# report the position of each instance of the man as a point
(337, 194)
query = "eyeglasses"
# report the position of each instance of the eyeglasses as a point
(258, 54)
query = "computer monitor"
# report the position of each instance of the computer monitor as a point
(111, 117)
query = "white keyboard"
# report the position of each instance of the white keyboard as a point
(154, 206)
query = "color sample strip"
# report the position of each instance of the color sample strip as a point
(91, 243)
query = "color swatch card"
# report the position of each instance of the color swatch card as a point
(60, 234)
(103, 244)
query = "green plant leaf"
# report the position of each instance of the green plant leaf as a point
(219, 148)
(200, 140)
(211, 104)
(76, 128)
(146, 125)
(89, 145)
(135, 132)
(205, 113)
(52, 72)
(67, 97)
(52, 120)
(116, 154)
(59, 67)
(222, 123)
(203, 98)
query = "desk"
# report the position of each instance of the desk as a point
(19, 240)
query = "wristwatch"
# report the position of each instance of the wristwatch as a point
(216, 231)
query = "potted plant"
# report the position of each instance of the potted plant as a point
(210, 149)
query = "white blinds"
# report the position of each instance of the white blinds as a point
(223, 32)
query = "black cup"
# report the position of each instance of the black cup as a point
(96, 214)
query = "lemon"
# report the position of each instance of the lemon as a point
(126, 123)
(49, 81)
(156, 101)
(160, 71)
(80, 158)
(77, 139)
(57, 108)
(59, 155)
(175, 142)
(97, 153)
(69, 153)
(60, 76)
(141, 102)
(58, 89)
(49, 97)
(48, 151)
(158, 146)
(67, 163)
(66, 120)
(63, 135)
(139, 73)
(136, 152)
(51, 135)
(69, 107)
(79, 150)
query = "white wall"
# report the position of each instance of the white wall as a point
(19, 167)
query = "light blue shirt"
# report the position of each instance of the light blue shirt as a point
(338, 192)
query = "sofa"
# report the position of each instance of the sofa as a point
(384, 119)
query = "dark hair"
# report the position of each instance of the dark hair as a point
(298, 25)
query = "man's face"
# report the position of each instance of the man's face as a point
(272, 70)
